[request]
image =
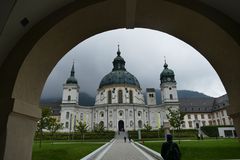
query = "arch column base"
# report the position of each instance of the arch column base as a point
(236, 122)
(21, 126)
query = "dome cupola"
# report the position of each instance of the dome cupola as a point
(167, 74)
(72, 79)
(119, 74)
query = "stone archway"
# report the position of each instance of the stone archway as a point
(121, 125)
(30, 62)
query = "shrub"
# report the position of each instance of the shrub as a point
(186, 133)
(76, 136)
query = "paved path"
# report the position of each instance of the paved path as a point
(120, 150)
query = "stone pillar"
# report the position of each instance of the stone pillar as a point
(19, 131)
(236, 122)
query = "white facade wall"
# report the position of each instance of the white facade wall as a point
(71, 90)
(209, 118)
(70, 115)
(102, 95)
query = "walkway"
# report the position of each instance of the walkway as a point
(120, 150)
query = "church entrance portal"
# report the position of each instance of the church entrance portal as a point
(120, 125)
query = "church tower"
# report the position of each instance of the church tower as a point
(151, 96)
(168, 85)
(71, 89)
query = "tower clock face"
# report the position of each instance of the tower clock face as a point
(168, 79)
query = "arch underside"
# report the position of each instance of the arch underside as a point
(33, 58)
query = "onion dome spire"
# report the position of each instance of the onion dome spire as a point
(72, 79)
(165, 63)
(167, 74)
(118, 62)
(118, 52)
(72, 71)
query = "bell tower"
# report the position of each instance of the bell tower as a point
(71, 89)
(168, 85)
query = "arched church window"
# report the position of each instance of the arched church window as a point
(67, 115)
(110, 124)
(131, 96)
(81, 116)
(130, 113)
(171, 96)
(139, 113)
(69, 98)
(109, 97)
(120, 113)
(102, 114)
(120, 96)
(131, 123)
(139, 124)
(66, 125)
(101, 124)
(110, 113)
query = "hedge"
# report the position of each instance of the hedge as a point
(76, 136)
(186, 133)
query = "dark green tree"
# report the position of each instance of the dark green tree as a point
(43, 123)
(147, 127)
(176, 119)
(53, 126)
(81, 128)
(99, 127)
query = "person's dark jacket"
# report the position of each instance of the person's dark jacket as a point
(170, 151)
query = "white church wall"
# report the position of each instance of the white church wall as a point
(102, 95)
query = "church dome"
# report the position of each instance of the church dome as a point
(119, 75)
(167, 74)
(72, 79)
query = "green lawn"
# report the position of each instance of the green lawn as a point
(205, 149)
(63, 150)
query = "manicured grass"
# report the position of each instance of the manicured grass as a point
(63, 150)
(205, 149)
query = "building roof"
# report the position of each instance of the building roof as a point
(150, 89)
(195, 105)
(119, 74)
(167, 74)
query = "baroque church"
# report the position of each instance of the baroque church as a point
(119, 103)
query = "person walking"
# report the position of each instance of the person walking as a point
(125, 138)
(170, 150)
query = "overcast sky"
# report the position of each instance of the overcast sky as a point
(143, 51)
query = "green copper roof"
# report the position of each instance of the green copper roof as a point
(167, 74)
(119, 75)
(72, 79)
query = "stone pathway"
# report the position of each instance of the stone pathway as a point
(120, 150)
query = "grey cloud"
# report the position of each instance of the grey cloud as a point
(143, 51)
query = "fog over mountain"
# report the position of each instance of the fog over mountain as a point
(88, 100)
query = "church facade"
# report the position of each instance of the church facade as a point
(119, 103)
